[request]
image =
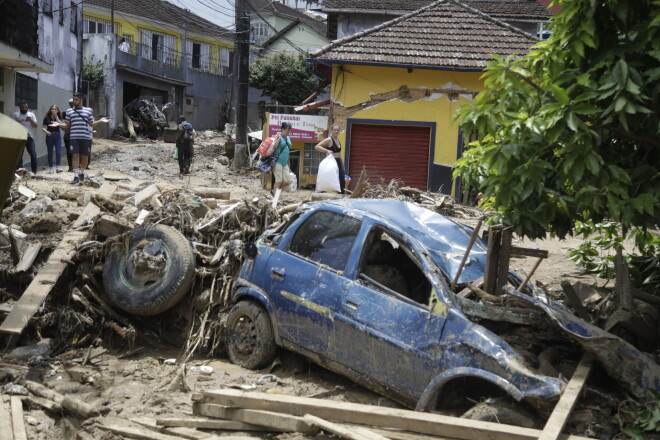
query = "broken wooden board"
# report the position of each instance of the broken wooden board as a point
(206, 423)
(17, 421)
(559, 416)
(28, 257)
(138, 433)
(350, 433)
(50, 272)
(274, 420)
(6, 429)
(344, 412)
(182, 432)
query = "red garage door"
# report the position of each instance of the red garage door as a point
(389, 152)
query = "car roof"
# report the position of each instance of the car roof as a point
(445, 239)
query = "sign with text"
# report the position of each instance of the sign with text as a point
(303, 127)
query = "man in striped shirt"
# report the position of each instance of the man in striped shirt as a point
(77, 122)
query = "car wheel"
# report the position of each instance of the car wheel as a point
(249, 336)
(153, 274)
(503, 411)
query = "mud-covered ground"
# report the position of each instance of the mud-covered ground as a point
(126, 388)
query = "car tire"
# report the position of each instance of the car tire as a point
(153, 274)
(249, 336)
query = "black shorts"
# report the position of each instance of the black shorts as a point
(81, 146)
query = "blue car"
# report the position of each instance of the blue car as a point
(361, 288)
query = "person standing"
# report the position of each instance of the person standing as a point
(53, 138)
(28, 120)
(78, 119)
(332, 146)
(67, 143)
(124, 45)
(185, 136)
(281, 169)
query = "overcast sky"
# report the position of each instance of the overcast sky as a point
(220, 12)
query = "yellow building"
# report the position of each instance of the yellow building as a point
(395, 88)
(162, 52)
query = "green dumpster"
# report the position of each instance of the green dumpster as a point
(12, 142)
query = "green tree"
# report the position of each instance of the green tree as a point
(93, 71)
(283, 77)
(569, 132)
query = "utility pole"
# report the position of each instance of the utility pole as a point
(242, 51)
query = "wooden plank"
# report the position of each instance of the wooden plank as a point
(188, 433)
(28, 257)
(274, 420)
(559, 416)
(345, 412)
(574, 301)
(138, 433)
(343, 431)
(50, 272)
(490, 271)
(517, 251)
(17, 420)
(6, 429)
(205, 423)
(504, 261)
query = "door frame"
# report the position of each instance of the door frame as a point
(431, 125)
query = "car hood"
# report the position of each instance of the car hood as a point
(444, 239)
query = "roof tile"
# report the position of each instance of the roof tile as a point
(446, 34)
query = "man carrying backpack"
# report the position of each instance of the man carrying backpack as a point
(185, 135)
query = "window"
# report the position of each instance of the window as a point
(61, 12)
(327, 238)
(196, 55)
(74, 18)
(93, 25)
(26, 89)
(48, 7)
(312, 159)
(158, 47)
(387, 265)
(259, 30)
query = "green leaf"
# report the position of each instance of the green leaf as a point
(560, 94)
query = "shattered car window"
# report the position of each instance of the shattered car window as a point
(327, 238)
(388, 265)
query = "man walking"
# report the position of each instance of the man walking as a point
(67, 143)
(78, 120)
(185, 135)
(28, 120)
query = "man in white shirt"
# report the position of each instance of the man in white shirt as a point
(28, 120)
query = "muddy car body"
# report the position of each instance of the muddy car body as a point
(360, 288)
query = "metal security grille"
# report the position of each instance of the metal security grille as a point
(390, 152)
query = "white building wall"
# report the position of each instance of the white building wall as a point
(62, 48)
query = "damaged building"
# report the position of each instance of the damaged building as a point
(396, 86)
(33, 35)
(172, 56)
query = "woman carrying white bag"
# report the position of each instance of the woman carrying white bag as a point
(332, 147)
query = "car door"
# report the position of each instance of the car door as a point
(307, 277)
(385, 328)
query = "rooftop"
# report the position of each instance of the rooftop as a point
(445, 34)
(521, 9)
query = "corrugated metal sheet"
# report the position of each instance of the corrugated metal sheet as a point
(390, 152)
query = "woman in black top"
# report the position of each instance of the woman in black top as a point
(53, 137)
(332, 146)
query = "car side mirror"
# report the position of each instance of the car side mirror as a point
(251, 250)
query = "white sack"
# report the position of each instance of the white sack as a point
(327, 179)
(292, 183)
